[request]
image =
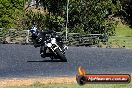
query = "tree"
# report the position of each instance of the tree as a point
(53, 19)
(10, 12)
(126, 11)
(91, 16)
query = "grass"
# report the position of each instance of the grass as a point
(123, 30)
(122, 38)
(74, 85)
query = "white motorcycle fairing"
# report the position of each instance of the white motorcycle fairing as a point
(52, 45)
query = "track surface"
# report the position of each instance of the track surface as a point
(25, 61)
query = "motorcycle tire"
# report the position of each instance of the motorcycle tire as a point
(42, 55)
(42, 51)
(60, 55)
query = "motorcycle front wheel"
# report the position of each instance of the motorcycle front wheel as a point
(42, 51)
(60, 55)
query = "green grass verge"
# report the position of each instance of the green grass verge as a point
(123, 30)
(122, 38)
(74, 85)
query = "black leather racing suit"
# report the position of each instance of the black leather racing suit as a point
(40, 38)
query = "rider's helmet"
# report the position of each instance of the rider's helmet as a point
(33, 30)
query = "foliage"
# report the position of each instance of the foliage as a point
(38, 17)
(55, 7)
(84, 16)
(126, 11)
(92, 15)
(43, 21)
(55, 22)
(10, 13)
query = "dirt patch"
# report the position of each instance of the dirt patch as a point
(29, 81)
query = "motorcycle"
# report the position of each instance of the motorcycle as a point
(53, 48)
(50, 43)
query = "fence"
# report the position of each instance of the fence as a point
(86, 40)
(14, 36)
(74, 39)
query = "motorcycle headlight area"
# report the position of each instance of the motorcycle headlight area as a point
(49, 44)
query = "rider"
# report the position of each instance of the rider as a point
(35, 33)
(38, 38)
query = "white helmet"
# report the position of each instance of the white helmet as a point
(33, 30)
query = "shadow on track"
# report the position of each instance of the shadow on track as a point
(47, 61)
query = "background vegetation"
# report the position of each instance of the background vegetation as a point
(11, 12)
(85, 17)
(94, 16)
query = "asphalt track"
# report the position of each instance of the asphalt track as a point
(25, 61)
